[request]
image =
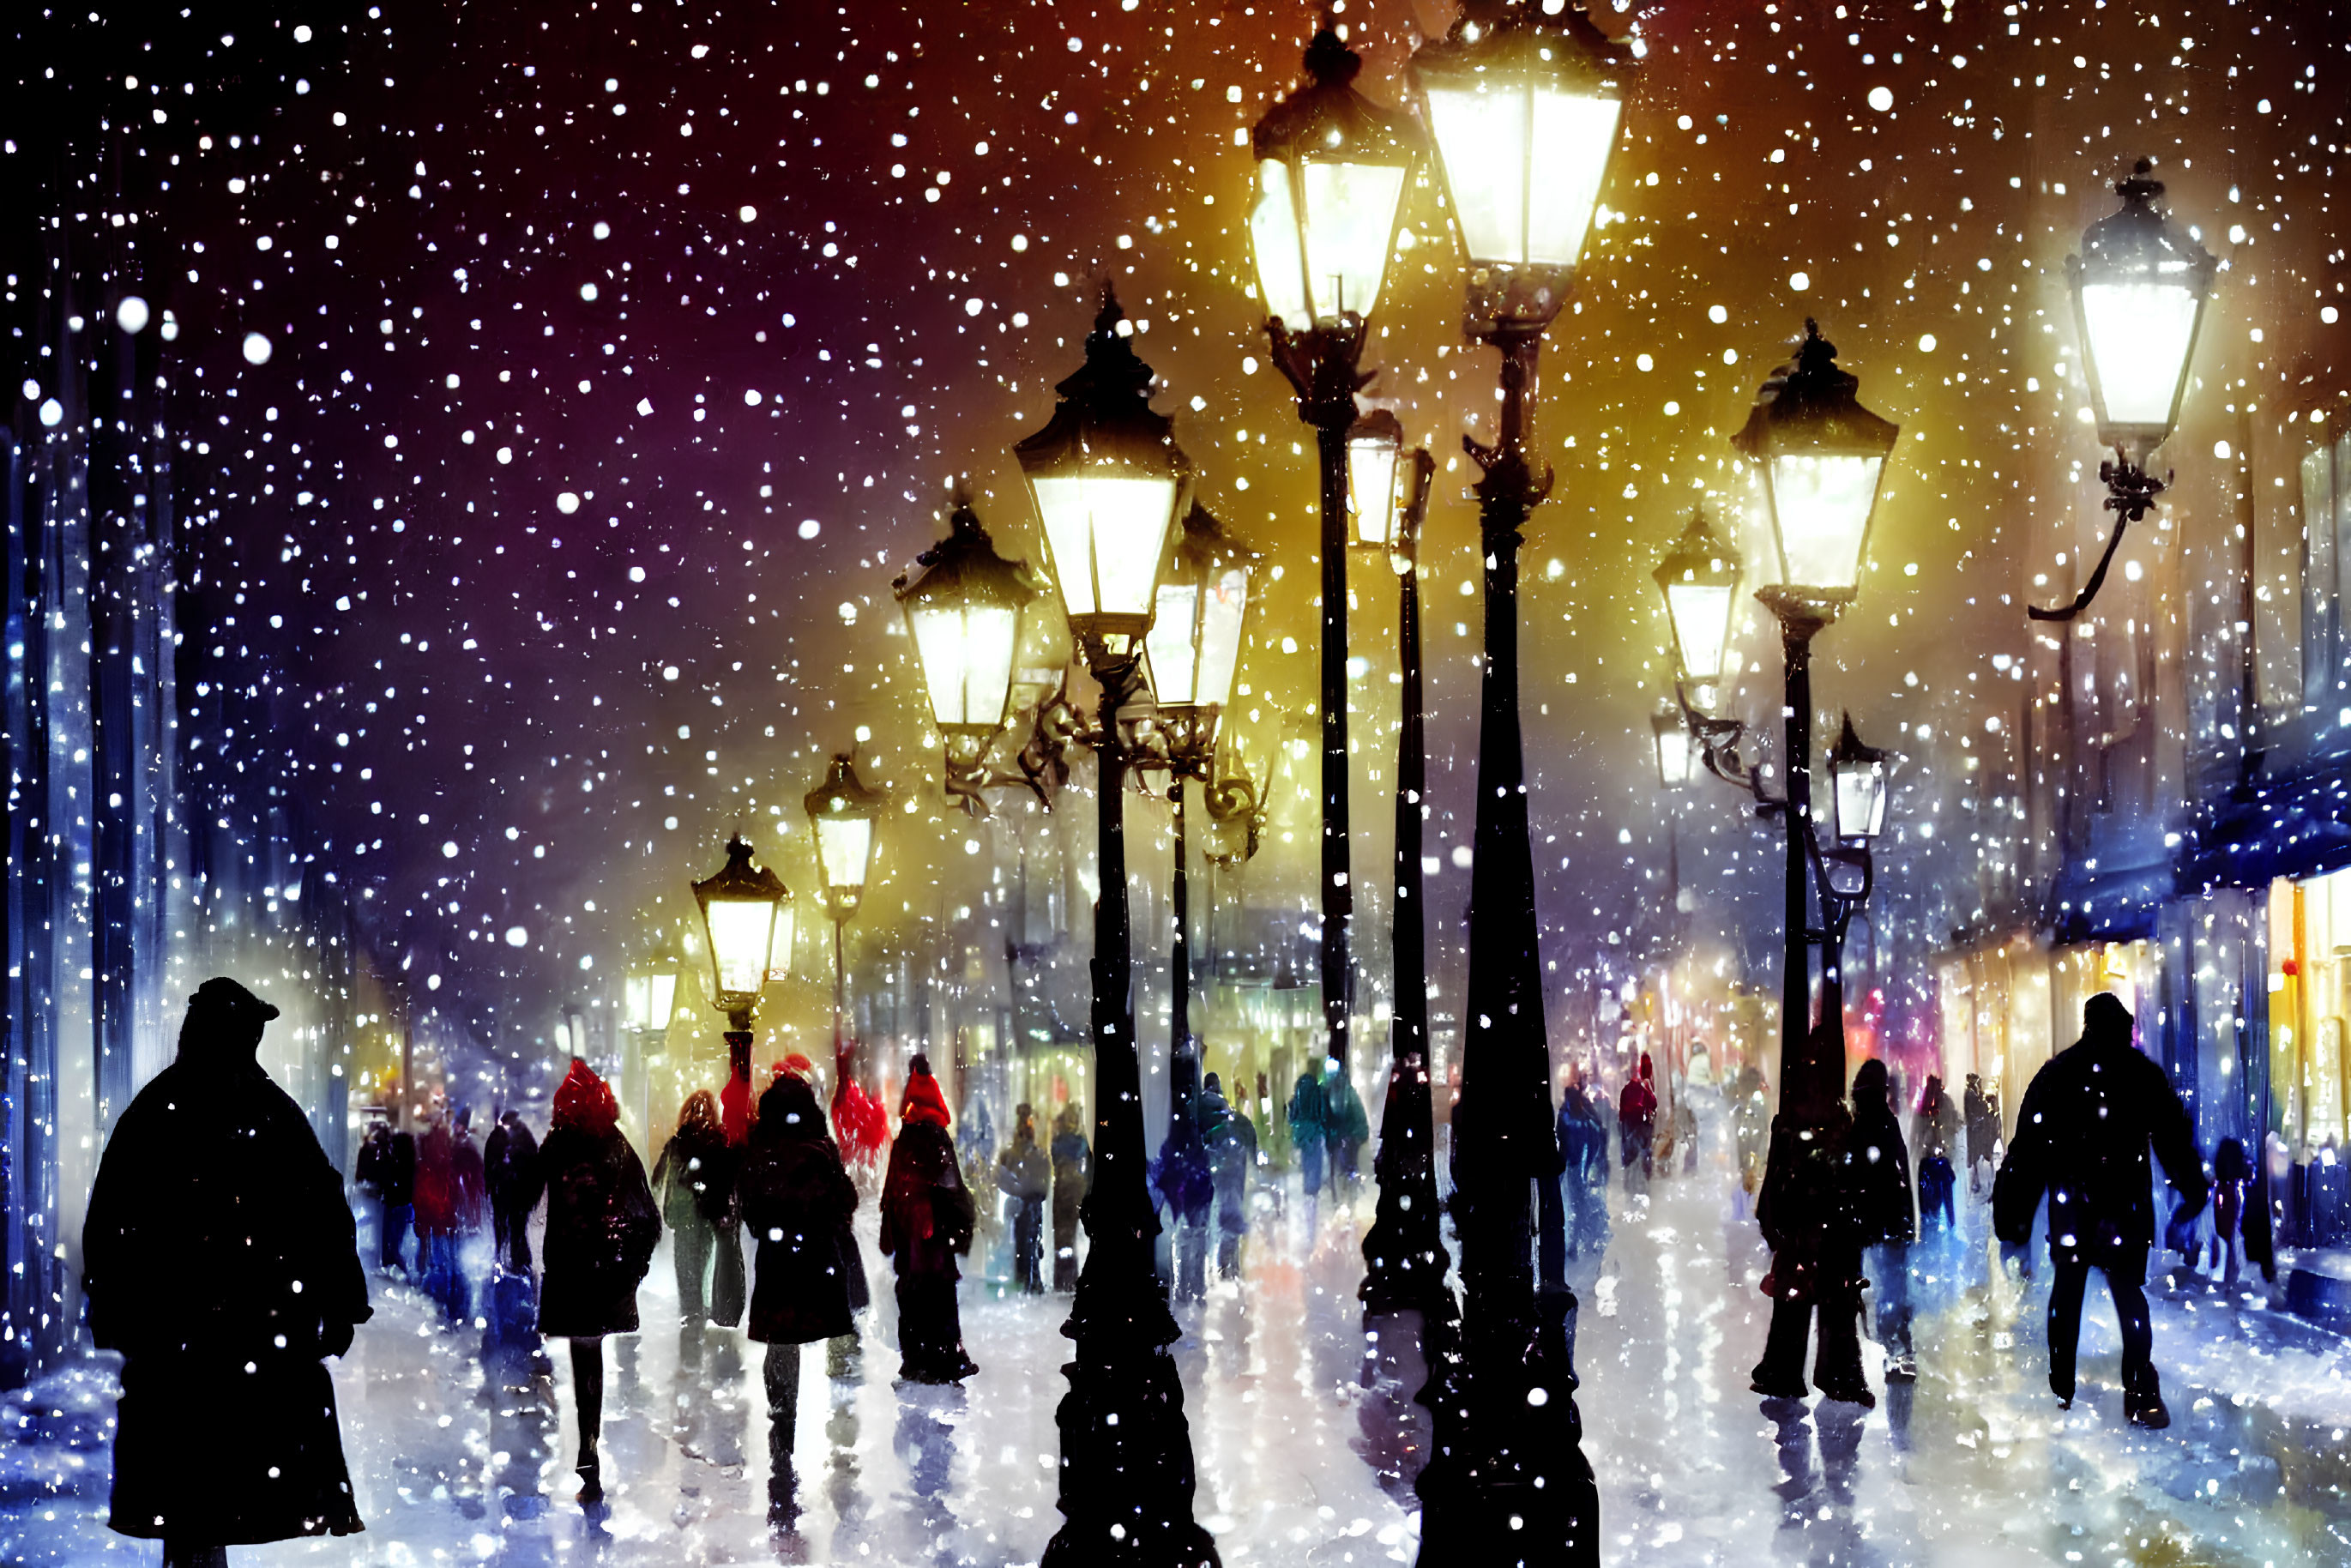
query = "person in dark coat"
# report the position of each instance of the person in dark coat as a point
(1309, 1115)
(926, 1220)
(1231, 1140)
(794, 1195)
(1024, 1172)
(1584, 1149)
(399, 1186)
(1344, 1127)
(2082, 1137)
(1936, 1134)
(1073, 1169)
(601, 1230)
(687, 1176)
(1878, 1169)
(512, 1178)
(467, 1200)
(1636, 1123)
(219, 1255)
(1185, 1184)
(2241, 1214)
(1981, 1114)
(1810, 1221)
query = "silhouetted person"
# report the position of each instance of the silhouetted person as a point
(1935, 1136)
(399, 1186)
(510, 1173)
(468, 1198)
(220, 1258)
(2082, 1136)
(1309, 1115)
(1981, 1114)
(1346, 1126)
(1583, 1180)
(794, 1195)
(1072, 1170)
(1181, 1176)
(1810, 1220)
(692, 1178)
(2241, 1214)
(1636, 1121)
(926, 1220)
(1024, 1172)
(1231, 1140)
(1878, 1171)
(601, 1230)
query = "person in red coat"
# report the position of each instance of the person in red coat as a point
(1636, 1121)
(436, 1213)
(926, 1220)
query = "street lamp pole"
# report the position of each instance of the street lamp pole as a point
(1507, 1482)
(1109, 483)
(1404, 1252)
(1332, 168)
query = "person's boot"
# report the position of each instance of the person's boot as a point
(2065, 1392)
(591, 1474)
(2144, 1406)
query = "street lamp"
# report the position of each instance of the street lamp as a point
(1331, 170)
(1676, 748)
(1821, 455)
(1699, 580)
(746, 918)
(1404, 1251)
(1109, 482)
(1194, 648)
(1525, 111)
(1857, 786)
(1375, 458)
(842, 813)
(963, 604)
(2139, 288)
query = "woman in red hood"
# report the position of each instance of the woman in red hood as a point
(927, 1220)
(1637, 1124)
(601, 1229)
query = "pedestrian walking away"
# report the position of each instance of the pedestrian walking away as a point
(510, 1173)
(1309, 1116)
(1230, 1138)
(220, 1257)
(1878, 1170)
(1072, 1172)
(1981, 1113)
(1637, 1124)
(794, 1194)
(601, 1230)
(1344, 1127)
(927, 1223)
(1936, 1136)
(2240, 1215)
(2083, 1133)
(1810, 1219)
(1024, 1172)
(694, 1178)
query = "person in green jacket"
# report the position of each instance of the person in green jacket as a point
(1308, 1114)
(1344, 1127)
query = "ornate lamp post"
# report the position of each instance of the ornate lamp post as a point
(746, 918)
(1524, 109)
(1331, 170)
(1822, 454)
(842, 813)
(1109, 482)
(1404, 1252)
(1194, 648)
(2138, 287)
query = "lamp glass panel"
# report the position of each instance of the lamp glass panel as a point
(1105, 532)
(1351, 211)
(1174, 654)
(743, 933)
(1820, 502)
(1275, 238)
(1860, 799)
(1677, 755)
(637, 997)
(661, 988)
(844, 846)
(1481, 138)
(1220, 637)
(1371, 486)
(966, 652)
(2140, 333)
(1574, 135)
(1701, 615)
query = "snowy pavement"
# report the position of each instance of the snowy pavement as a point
(461, 1456)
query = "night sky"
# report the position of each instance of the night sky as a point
(618, 355)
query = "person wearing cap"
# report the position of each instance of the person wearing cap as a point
(926, 1220)
(226, 1433)
(2083, 1132)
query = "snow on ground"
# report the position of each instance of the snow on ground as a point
(463, 1456)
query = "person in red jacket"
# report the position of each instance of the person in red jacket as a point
(1636, 1123)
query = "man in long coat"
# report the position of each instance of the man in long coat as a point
(220, 1258)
